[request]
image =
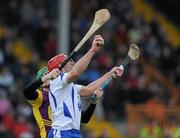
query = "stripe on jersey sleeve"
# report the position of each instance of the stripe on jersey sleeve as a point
(63, 78)
(54, 99)
(62, 75)
(72, 95)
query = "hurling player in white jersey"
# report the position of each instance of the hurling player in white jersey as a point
(64, 95)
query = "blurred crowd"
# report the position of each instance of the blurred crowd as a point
(28, 38)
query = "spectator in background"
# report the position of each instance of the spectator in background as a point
(1, 57)
(151, 130)
(4, 102)
(6, 78)
(4, 132)
(50, 46)
(17, 124)
(27, 12)
(21, 127)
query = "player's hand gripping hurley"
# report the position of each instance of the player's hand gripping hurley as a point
(101, 17)
(132, 55)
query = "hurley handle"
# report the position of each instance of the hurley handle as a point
(67, 59)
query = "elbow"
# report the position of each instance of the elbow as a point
(87, 92)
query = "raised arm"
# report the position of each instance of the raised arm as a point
(83, 63)
(88, 90)
(30, 92)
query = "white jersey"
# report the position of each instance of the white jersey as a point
(65, 104)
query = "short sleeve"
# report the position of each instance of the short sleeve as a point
(78, 87)
(64, 78)
(59, 82)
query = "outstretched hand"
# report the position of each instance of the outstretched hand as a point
(51, 75)
(54, 74)
(117, 72)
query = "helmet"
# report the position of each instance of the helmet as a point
(41, 72)
(56, 61)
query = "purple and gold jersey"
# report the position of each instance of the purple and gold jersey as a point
(42, 112)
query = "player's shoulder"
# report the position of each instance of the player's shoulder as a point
(60, 78)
